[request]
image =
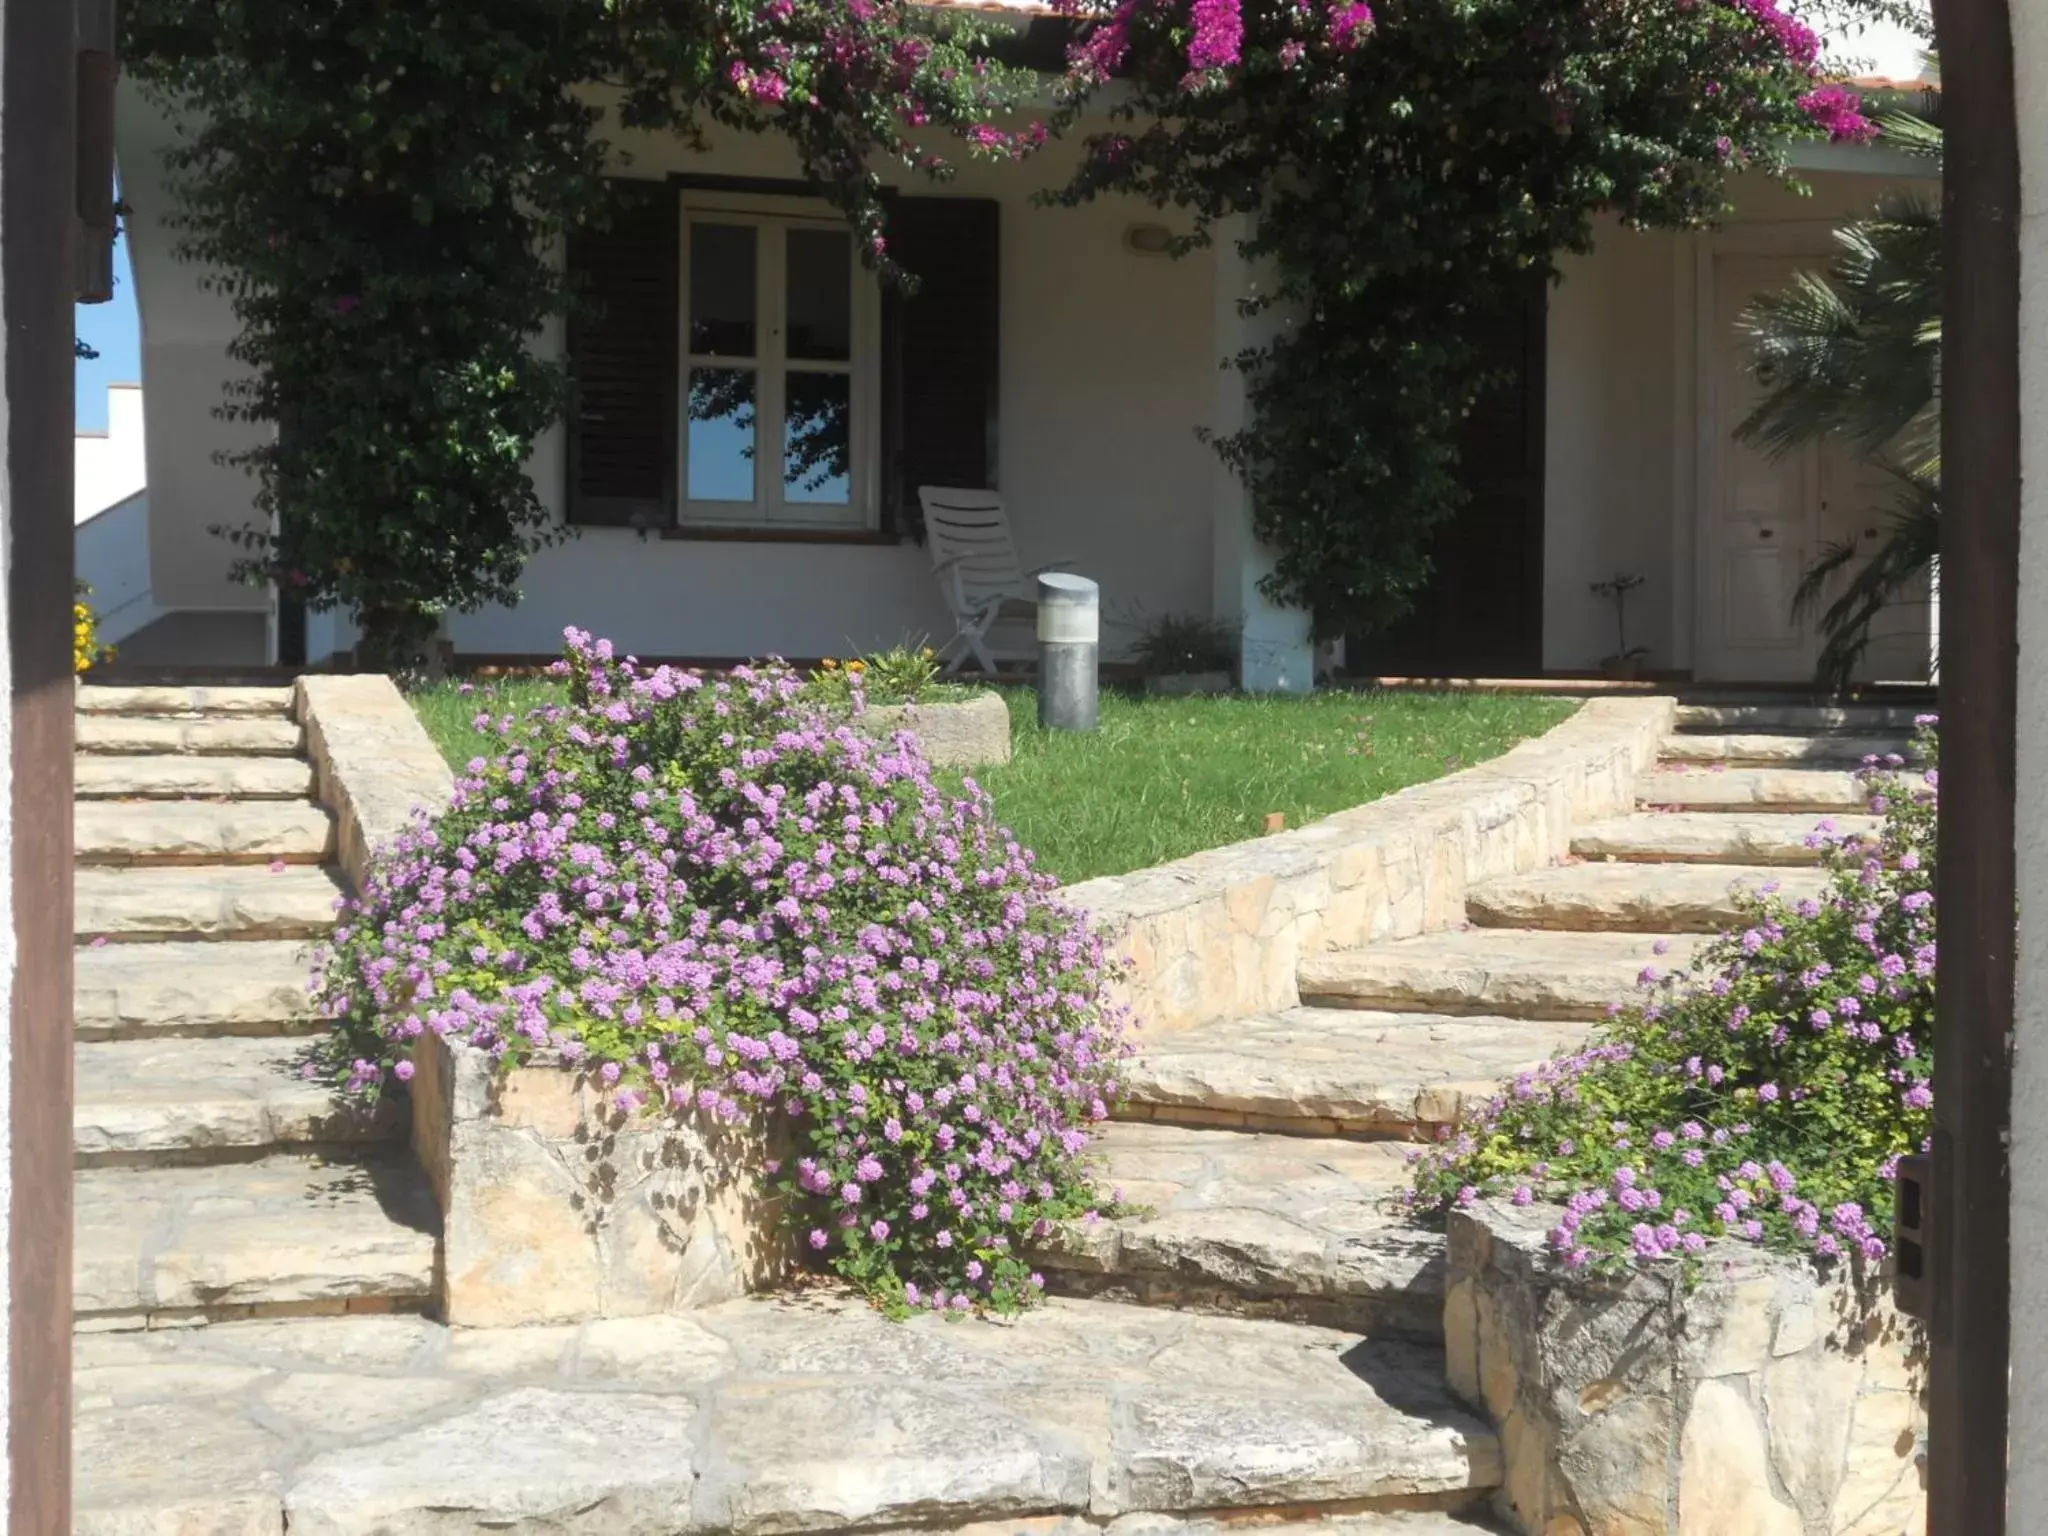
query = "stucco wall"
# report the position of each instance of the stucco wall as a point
(185, 332)
(1620, 473)
(1108, 364)
(2028, 1488)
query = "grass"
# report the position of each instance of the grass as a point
(1166, 777)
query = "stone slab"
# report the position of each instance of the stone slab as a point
(1709, 837)
(185, 1100)
(1635, 898)
(229, 736)
(967, 733)
(1805, 719)
(1770, 1397)
(97, 699)
(124, 832)
(1521, 974)
(157, 1243)
(1335, 1070)
(219, 902)
(193, 778)
(375, 763)
(557, 1208)
(1223, 933)
(773, 1416)
(1770, 748)
(249, 988)
(1301, 1228)
(1686, 787)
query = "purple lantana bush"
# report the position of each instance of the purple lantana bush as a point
(712, 898)
(1765, 1094)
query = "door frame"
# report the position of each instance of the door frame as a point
(1810, 239)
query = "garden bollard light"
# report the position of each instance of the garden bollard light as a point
(1069, 627)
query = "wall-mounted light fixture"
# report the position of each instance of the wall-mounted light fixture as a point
(1148, 239)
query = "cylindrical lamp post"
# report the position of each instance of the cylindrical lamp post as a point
(1069, 635)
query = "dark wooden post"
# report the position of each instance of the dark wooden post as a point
(38, 210)
(1975, 875)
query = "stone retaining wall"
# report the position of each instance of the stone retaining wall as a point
(1770, 1400)
(555, 1208)
(1220, 934)
(372, 759)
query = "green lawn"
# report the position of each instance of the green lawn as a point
(1168, 777)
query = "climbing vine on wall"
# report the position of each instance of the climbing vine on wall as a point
(383, 187)
(1407, 167)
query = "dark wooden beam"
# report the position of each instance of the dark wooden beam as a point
(38, 211)
(1979, 674)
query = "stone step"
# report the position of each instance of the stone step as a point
(1633, 898)
(193, 778)
(1764, 750)
(210, 1100)
(1814, 790)
(159, 1245)
(218, 902)
(774, 1415)
(98, 699)
(201, 832)
(1335, 1071)
(257, 987)
(1521, 975)
(210, 736)
(1801, 718)
(1294, 1227)
(1712, 837)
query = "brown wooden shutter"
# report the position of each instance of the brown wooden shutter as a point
(622, 355)
(940, 352)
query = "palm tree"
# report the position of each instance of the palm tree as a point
(1854, 354)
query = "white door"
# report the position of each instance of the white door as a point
(1760, 519)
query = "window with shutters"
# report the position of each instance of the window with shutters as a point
(780, 367)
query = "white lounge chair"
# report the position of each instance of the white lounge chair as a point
(976, 562)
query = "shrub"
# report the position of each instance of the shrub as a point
(1184, 643)
(1765, 1096)
(904, 675)
(86, 650)
(703, 892)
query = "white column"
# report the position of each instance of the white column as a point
(2028, 1479)
(1274, 651)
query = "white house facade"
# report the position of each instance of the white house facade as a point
(1056, 356)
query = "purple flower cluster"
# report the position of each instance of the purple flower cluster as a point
(1765, 1097)
(712, 899)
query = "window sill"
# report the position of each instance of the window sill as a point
(716, 535)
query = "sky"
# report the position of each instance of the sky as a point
(113, 329)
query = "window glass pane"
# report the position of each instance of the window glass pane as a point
(820, 295)
(722, 428)
(722, 290)
(817, 467)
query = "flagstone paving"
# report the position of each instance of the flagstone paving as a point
(1247, 1331)
(761, 1416)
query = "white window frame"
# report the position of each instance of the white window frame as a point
(772, 216)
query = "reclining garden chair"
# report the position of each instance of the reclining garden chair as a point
(976, 562)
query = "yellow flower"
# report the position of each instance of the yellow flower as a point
(829, 664)
(856, 666)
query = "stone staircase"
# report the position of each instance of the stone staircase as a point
(1268, 1151)
(213, 1180)
(1259, 1340)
